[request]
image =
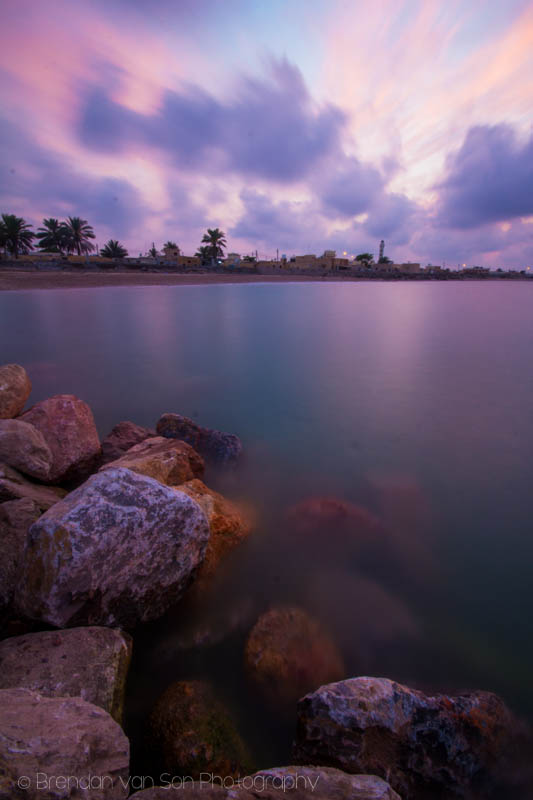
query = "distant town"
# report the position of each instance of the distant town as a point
(71, 243)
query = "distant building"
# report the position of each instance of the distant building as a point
(171, 252)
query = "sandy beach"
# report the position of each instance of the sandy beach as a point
(14, 280)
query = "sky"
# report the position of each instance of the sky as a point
(292, 125)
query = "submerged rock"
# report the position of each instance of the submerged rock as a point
(23, 447)
(288, 653)
(297, 783)
(437, 746)
(91, 663)
(15, 388)
(16, 516)
(219, 447)
(121, 438)
(120, 549)
(67, 425)
(192, 733)
(45, 741)
(228, 524)
(13, 486)
(169, 461)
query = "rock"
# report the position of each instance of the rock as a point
(222, 448)
(438, 746)
(297, 783)
(67, 425)
(122, 437)
(168, 461)
(91, 663)
(23, 447)
(15, 388)
(191, 732)
(45, 741)
(118, 550)
(16, 516)
(228, 524)
(289, 653)
(13, 486)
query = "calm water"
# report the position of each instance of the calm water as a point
(412, 400)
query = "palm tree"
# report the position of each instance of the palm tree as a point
(216, 241)
(113, 249)
(384, 260)
(78, 232)
(170, 246)
(15, 234)
(52, 236)
(203, 253)
(152, 251)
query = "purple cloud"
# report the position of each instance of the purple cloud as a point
(271, 130)
(489, 179)
(350, 188)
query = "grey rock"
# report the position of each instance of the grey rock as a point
(120, 549)
(67, 425)
(91, 663)
(216, 446)
(23, 447)
(438, 746)
(15, 388)
(13, 486)
(45, 741)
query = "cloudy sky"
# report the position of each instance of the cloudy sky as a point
(291, 124)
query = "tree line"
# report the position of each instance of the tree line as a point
(75, 236)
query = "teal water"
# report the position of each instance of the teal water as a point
(413, 400)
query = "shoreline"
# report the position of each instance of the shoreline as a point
(15, 280)
(21, 280)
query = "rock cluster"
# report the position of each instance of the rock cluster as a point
(216, 446)
(15, 388)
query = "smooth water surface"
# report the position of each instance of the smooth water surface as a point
(413, 400)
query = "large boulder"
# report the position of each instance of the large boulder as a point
(120, 549)
(228, 523)
(191, 732)
(15, 388)
(297, 783)
(169, 461)
(216, 446)
(54, 748)
(23, 447)
(288, 653)
(67, 425)
(428, 746)
(13, 486)
(122, 437)
(91, 663)
(16, 516)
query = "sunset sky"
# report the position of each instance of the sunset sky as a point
(291, 124)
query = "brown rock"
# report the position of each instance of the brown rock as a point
(438, 746)
(13, 486)
(15, 388)
(228, 524)
(289, 653)
(44, 741)
(91, 663)
(120, 549)
(192, 733)
(16, 516)
(23, 447)
(166, 460)
(296, 783)
(122, 437)
(67, 425)
(218, 447)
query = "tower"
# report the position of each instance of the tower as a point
(381, 249)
